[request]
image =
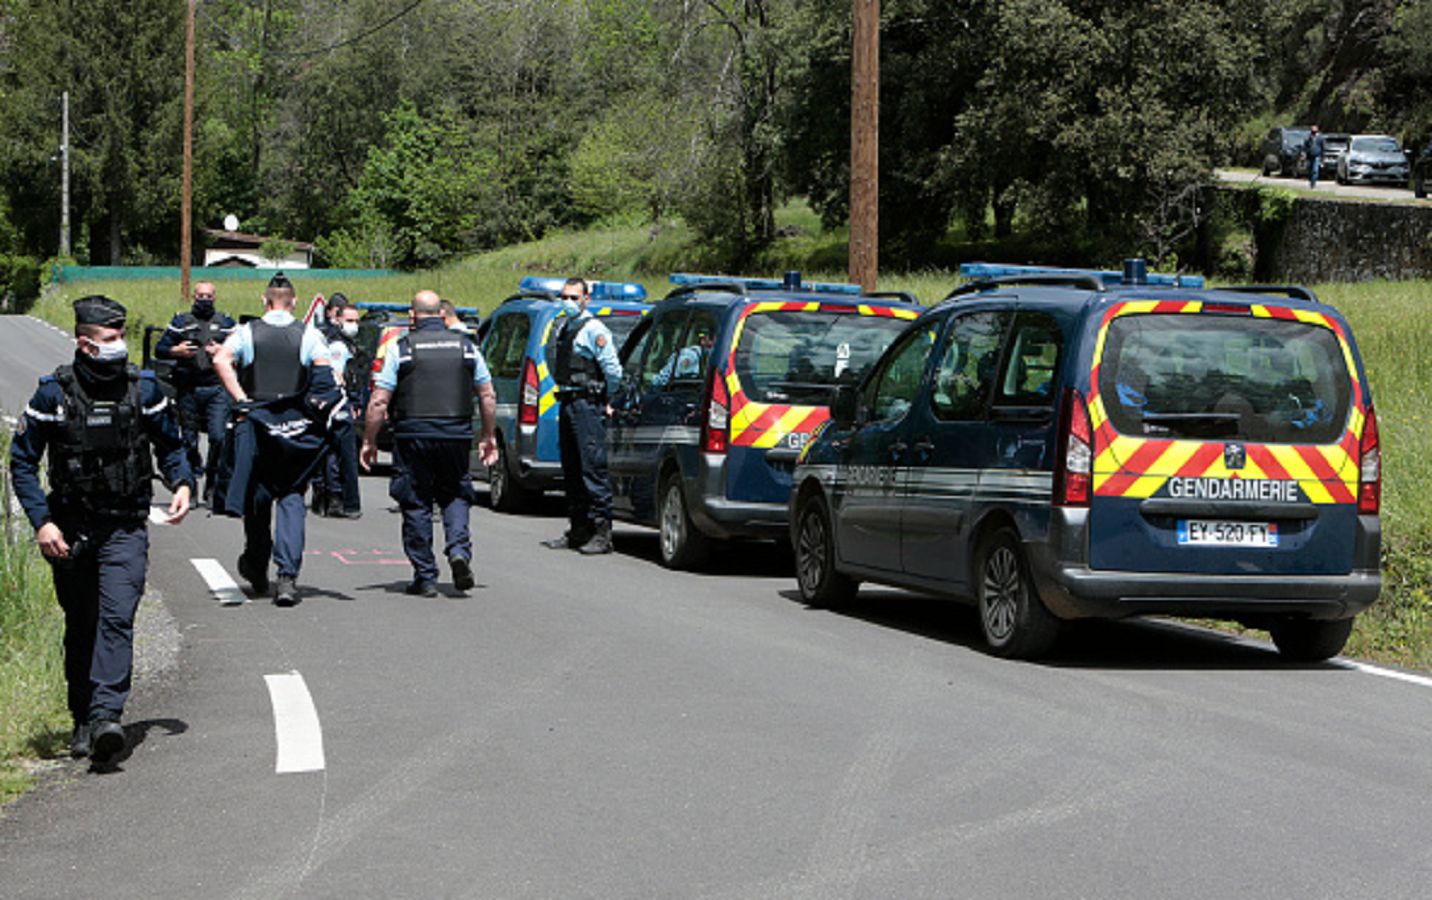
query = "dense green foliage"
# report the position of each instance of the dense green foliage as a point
(405, 133)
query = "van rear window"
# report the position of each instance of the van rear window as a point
(797, 356)
(1225, 378)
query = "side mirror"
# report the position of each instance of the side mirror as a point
(843, 406)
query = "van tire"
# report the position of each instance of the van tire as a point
(820, 584)
(1015, 622)
(504, 492)
(1310, 640)
(683, 545)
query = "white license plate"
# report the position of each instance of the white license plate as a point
(1204, 532)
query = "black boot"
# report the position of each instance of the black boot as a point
(571, 539)
(599, 543)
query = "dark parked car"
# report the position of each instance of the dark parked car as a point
(1282, 149)
(1374, 159)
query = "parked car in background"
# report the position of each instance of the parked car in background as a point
(1282, 148)
(1055, 445)
(1421, 168)
(1374, 159)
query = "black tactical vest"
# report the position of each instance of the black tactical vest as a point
(576, 372)
(435, 371)
(277, 370)
(201, 332)
(102, 463)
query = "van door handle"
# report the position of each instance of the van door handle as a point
(897, 450)
(924, 447)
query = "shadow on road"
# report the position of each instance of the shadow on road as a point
(739, 559)
(135, 733)
(1130, 644)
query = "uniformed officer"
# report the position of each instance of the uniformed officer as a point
(426, 387)
(272, 358)
(587, 373)
(191, 339)
(340, 496)
(101, 423)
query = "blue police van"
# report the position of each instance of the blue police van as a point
(516, 341)
(722, 386)
(1063, 444)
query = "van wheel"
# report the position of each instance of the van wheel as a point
(683, 546)
(1016, 625)
(820, 583)
(506, 494)
(1310, 640)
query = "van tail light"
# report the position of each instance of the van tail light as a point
(527, 411)
(1074, 476)
(1369, 490)
(718, 408)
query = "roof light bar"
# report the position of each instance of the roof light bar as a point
(1000, 270)
(687, 279)
(601, 290)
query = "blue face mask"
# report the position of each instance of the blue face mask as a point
(570, 308)
(203, 308)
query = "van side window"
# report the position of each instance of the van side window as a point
(890, 393)
(967, 367)
(1032, 363)
(506, 344)
(690, 361)
(661, 347)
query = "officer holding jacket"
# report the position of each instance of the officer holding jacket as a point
(587, 374)
(190, 340)
(426, 388)
(101, 424)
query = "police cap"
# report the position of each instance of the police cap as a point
(97, 309)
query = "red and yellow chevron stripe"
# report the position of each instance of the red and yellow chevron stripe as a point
(1138, 467)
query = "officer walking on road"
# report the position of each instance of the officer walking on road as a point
(190, 340)
(1313, 147)
(270, 359)
(101, 423)
(587, 374)
(426, 387)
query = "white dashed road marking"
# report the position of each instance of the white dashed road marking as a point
(295, 725)
(224, 588)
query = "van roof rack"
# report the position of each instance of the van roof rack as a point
(1295, 291)
(1135, 272)
(737, 285)
(1088, 282)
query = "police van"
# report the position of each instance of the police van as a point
(1063, 444)
(722, 386)
(518, 345)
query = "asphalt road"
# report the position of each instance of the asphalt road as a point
(605, 728)
(1326, 186)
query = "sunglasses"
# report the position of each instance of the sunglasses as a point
(575, 298)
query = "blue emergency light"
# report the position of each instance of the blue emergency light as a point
(792, 282)
(601, 290)
(1134, 273)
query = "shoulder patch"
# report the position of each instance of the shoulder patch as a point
(601, 341)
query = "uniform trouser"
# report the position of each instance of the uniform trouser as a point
(431, 471)
(204, 410)
(340, 466)
(285, 544)
(582, 431)
(99, 590)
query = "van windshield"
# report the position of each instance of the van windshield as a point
(1225, 378)
(797, 357)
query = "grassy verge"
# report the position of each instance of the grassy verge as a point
(1388, 318)
(33, 719)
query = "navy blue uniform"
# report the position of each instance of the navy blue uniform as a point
(432, 436)
(100, 585)
(203, 402)
(340, 471)
(588, 372)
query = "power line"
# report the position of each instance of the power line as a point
(317, 51)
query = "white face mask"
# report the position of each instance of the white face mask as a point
(111, 351)
(350, 329)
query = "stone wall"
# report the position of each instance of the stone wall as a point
(1347, 240)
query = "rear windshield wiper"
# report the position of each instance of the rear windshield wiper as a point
(1202, 423)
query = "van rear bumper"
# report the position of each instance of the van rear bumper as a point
(723, 518)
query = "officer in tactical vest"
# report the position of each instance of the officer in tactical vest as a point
(587, 373)
(101, 423)
(191, 339)
(337, 485)
(426, 388)
(266, 360)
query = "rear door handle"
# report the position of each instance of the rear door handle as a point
(924, 447)
(897, 450)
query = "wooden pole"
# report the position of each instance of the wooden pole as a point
(186, 250)
(865, 144)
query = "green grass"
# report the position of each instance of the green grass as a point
(33, 718)
(1388, 319)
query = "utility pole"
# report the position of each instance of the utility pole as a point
(65, 174)
(865, 144)
(186, 251)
